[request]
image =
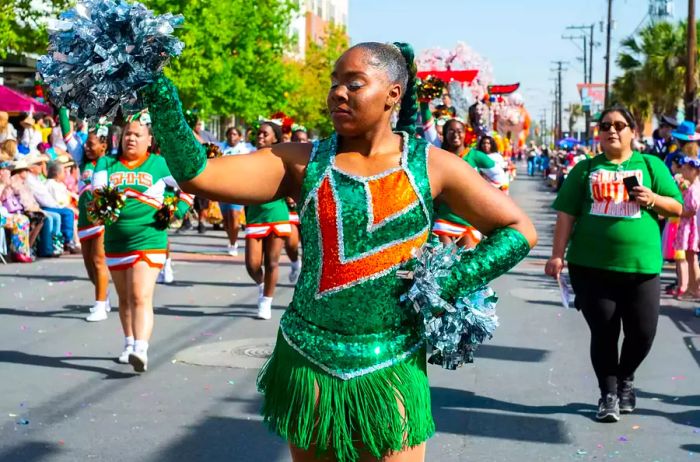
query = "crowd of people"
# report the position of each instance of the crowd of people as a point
(348, 372)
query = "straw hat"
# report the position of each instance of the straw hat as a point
(20, 164)
(34, 158)
(28, 120)
(66, 160)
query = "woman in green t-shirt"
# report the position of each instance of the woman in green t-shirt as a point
(614, 253)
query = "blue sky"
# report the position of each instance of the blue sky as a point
(520, 37)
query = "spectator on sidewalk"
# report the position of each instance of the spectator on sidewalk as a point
(18, 197)
(7, 130)
(617, 285)
(62, 216)
(13, 220)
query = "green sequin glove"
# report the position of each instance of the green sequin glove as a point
(186, 157)
(494, 256)
(425, 113)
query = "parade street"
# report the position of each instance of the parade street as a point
(530, 395)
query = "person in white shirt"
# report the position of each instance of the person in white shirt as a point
(31, 137)
(233, 146)
(50, 206)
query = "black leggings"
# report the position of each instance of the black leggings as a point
(609, 300)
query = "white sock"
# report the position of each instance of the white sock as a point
(235, 245)
(101, 305)
(296, 265)
(261, 290)
(266, 301)
(168, 262)
(129, 342)
(141, 346)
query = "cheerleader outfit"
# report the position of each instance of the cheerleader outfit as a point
(86, 228)
(135, 236)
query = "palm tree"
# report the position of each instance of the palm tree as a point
(575, 113)
(654, 67)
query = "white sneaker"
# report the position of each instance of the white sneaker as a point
(124, 357)
(161, 277)
(168, 276)
(232, 250)
(139, 360)
(97, 315)
(264, 309)
(108, 307)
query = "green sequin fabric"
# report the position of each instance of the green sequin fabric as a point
(492, 257)
(186, 157)
(357, 325)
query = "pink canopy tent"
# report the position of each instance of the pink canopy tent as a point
(14, 101)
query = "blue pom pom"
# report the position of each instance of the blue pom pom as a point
(102, 52)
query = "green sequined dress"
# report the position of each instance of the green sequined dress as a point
(348, 369)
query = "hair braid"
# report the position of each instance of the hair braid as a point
(408, 115)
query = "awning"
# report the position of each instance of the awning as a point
(466, 76)
(14, 101)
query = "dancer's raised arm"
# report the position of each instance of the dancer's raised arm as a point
(255, 178)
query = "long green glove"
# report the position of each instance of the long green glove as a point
(186, 157)
(492, 257)
(425, 114)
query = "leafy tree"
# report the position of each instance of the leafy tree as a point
(575, 113)
(307, 104)
(654, 64)
(22, 29)
(233, 58)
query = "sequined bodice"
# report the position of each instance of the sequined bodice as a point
(356, 232)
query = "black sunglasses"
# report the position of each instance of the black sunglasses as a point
(619, 126)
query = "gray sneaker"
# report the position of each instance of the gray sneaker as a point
(628, 399)
(608, 408)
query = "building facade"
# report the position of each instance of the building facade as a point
(311, 20)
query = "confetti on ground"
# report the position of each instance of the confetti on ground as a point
(636, 427)
(22, 422)
(12, 415)
(173, 361)
(678, 377)
(581, 452)
(622, 439)
(231, 382)
(61, 442)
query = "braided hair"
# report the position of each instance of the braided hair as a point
(397, 60)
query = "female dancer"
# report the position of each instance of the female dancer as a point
(134, 246)
(267, 226)
(347, 380)
(450, 226)
(91, 234)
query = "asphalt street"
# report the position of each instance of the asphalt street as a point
(530, 395)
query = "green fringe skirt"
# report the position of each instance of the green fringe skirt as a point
(381, 412)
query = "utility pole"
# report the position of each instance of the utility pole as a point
(590, 55)
(560, 68)
(607, 55)
(589, 36)
(544, 127)
(690, 83)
